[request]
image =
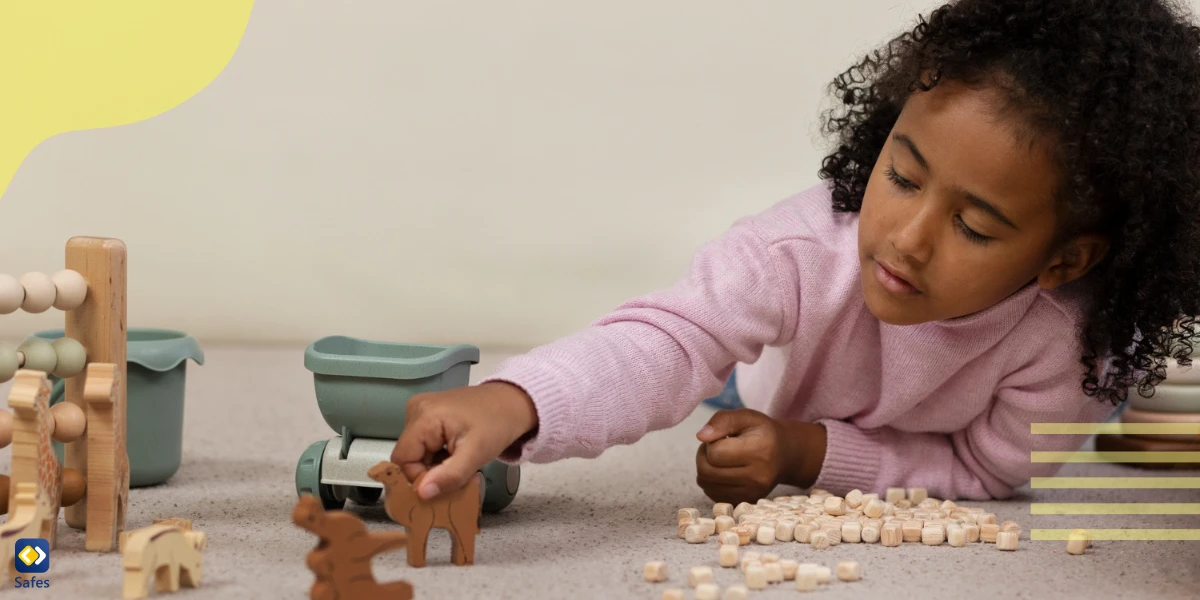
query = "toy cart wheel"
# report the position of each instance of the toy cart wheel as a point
(308, 478)
(501, 481)
(365, 496)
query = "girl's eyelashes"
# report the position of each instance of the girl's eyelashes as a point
(899, 181)
(971, 234)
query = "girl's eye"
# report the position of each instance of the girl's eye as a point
(900, 182)
(971, 234)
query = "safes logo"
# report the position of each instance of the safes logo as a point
(32, 555)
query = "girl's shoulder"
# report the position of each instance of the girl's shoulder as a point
(806, 215)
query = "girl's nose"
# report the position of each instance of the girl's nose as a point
(913, 236)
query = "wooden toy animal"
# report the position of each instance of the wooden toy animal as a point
(457, 512)
(342, 559)
(167, 553)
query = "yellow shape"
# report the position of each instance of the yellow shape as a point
(1114, 457)
(1116, 428)
(1175, 535)
(68, 65)
(28, 555)
(1115, 482)
(1114, 508)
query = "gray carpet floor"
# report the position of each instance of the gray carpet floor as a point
(578, 529)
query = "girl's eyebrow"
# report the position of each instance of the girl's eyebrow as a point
(972, 198)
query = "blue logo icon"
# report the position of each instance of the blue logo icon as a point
(32, 555)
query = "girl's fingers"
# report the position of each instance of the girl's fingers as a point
(418, 443)
(707, 472)
(728, 452)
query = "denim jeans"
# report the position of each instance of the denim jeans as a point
(728, 398)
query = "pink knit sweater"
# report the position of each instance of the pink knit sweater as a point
(943, 405)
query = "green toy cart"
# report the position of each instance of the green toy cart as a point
(362, 389)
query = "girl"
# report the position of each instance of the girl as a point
(1006, 234)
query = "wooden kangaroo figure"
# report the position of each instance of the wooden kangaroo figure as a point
(342, 559)
(457, 512)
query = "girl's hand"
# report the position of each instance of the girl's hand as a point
(745, 454)
(469, 426)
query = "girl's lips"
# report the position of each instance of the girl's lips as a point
(893, 283)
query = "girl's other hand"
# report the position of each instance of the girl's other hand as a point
(741, 457)
(469, 426)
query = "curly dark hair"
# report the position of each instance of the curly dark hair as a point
(1115, 84)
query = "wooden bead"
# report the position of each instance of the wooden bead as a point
(12, 294)
(852, 532)
(1006, 540)
(743, 533)
(699, 575)
(655, 571)
(695, 534)
(727, 556)
(835, 506)
(870, 534)
(849, 570)
(687, 513)
(789, 567)
(766, 536)
(673, 594)
(6, 427)
(10, 363)
(737, 592)
(729, 538)
(708, 591)
(723, 509)
(39, 354)
(71, 357)
(854, 498)
(1076, 543)
(70, 289)
(756, 577)
(819, 540)
(73, 486)
(39, 292)
(69, 422)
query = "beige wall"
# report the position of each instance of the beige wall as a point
(417, 171)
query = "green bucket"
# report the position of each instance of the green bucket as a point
(156, 373)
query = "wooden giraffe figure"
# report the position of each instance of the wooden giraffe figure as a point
(25, 521)
(107, 459)
(33, 458)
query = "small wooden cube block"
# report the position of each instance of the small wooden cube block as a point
(972, 531)
(803, 531)
(988, 532)
(929, 504)
(1006, 540)
(789, 567)
(655, 571)
(933, 535)
(756, 577)
(1010, 526)
(1083, 533)
(819, 540)
(785, 530)
(727, 556)
(766, 535)
(873, 508)
(723, 509)
(724, 523)
(870, 534)
(851, 532)
(833, 533)
(917, 495)
(673, 594)
(985, 519)
(687, 513)
(854, 498)
(904, 504)
(768, 558)
(737, 592)
(912, 530)
(948, 505)
(835, 506)
(749, 557)
(710, 525)
(743, 533)
(729, 538)
(753, 527)
(741, 509)
(891, 535)
(708, 591)
(1076, 543)
(806, 580)
(699, 575)
(696, 534)
(893, 495)
(849, 570)
(774, 572)
(956, 536)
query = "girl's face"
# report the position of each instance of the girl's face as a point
(959, 212)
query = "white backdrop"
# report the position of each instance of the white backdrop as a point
(424, 172)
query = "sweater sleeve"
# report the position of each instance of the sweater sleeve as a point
(988, 459)
(647, 365)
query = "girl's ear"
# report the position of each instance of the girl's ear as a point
(1073, 261)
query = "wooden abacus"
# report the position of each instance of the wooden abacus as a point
(93, 484)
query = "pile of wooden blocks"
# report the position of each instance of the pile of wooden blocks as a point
(760, 570)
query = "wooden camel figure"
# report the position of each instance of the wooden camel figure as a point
(457, 512)
(342, 559)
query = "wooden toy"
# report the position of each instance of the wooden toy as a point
(849, 570)
(26, 520)
(170, 555)
(457, 512)
(708, 591)
(655, 571)
(727, 556)
(362, 389)
(673, 594)
(341, 560)
(91, 421)
(1006, 540)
